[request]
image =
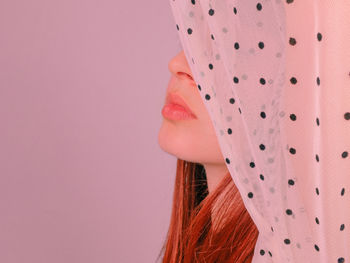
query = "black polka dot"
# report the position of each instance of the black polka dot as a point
(262, 147)
(292, 150)
(291, 182)
(211, 12)
(193, 2)
(261, 177)
(177, 27)
(262, 81)
(235, 10)
(261, 45)
(262, 252)
(207, 96)
(342, 191)
(344, 154)
(292, 41)
(189, 31)
(199, 87)
(236, 45)
(229, 131)
(293, 117)
(317, 221)
(263, 115)
(317, 191)
(252, 164)
(317, 158)
(287, 241)
(293, 80)
(347, 116)
(227, 160)
(317, 248)
(232, 100)
(289, 212)
(317, 121)
(342, 226)
(211, 66)
(289, 1)
(318, 81)
(270, 253)
(319, 36)
(235, 80)
(250, 195)
(259, 6)
(341, 260)
(212, 37)
(239, 109)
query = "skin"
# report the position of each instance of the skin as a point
(192, 140)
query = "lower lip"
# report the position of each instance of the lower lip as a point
(176, 112)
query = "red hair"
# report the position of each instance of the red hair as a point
(192, 236)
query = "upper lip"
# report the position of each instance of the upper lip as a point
(173, 98)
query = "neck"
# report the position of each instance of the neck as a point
(215, 173)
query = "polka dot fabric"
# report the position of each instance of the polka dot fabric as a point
(274, 77)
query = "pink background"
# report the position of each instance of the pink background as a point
(82, 178)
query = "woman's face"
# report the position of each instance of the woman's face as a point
(193, 140)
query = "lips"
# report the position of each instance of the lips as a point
(173, 98)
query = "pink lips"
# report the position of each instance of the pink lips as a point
(175, 108)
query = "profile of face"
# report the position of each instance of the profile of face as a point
(191, 139)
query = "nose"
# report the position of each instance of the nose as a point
(179, 67)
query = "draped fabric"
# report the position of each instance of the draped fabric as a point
(274, 77)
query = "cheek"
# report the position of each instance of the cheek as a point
(193, 141)
(207, 145)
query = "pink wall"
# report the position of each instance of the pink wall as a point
(82, 178)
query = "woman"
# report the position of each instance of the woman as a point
(274, 79)
(209, 222)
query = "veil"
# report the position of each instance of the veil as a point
(274, 77)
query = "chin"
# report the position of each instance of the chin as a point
(176, 144)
